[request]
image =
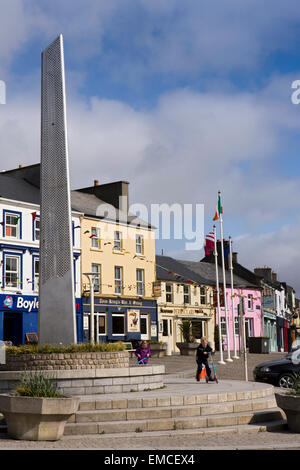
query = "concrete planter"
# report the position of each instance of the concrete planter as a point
(37, 419)
(158, 350)
(290, 404)
(187, 349)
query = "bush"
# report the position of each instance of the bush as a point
(37, 384)
(296, 388)
(72, 348)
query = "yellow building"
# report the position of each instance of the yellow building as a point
(118, 256)
(184, 295)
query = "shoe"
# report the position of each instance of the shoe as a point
(198, 377)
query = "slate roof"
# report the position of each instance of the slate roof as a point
(176, 266)
(18, 189)
(208, 271)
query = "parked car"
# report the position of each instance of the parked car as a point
(281, 372)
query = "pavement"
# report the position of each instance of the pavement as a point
(181, 367)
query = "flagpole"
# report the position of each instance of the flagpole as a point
(221, 361)
(235, 356)
(224, 281)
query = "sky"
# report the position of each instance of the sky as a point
(181, 99)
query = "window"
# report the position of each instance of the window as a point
(12, 270)
(37, 229)
(169, 293)
(223, 326)
(165, 328)
(118, 324)
(250, 301)
(36, 273)
(139, 244)
(118, 280)
(140, 281)
(202, 295)
(96, 277)
(186, 294)
(236, 326)
(12, 225)
(118, 241)
(101, 324)
(95, 234)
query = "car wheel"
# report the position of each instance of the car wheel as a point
(286, 381)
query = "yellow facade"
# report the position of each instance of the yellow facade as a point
(174, 307)
(130, 255)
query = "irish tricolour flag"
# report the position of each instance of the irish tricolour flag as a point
(219, 209)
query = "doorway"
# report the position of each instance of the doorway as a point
(12, 328)
(144, 327)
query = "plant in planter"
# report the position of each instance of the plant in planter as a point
(158, 348)
(38, 411)
(289, 402)
(188, 346)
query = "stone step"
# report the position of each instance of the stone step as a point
(270, 426)
(172, 411)
(174, 423)
(127, 401)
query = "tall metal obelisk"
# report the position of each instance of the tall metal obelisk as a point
(57, 321)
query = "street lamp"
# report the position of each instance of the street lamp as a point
(91, 278)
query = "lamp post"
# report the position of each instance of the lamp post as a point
(91, 278)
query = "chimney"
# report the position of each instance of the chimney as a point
(266, 273)
(274, 277)
(115, 193)
(96, 182)
(234, 257)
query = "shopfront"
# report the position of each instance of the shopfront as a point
(120, 319)
(19, 315)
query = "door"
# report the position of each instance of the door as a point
(12, 328)
(144, 327)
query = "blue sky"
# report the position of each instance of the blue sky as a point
(182, 99)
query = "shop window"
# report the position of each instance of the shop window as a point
(197, 329)
(102, 324)
(118, 324)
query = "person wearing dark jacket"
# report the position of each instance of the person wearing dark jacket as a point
(203, 352)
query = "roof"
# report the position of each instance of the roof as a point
(165, 264)
(16, 187)
(208, 271)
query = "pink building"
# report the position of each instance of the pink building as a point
(244, 288)
(251, 296)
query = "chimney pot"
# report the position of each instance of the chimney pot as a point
(96, 182)
(21, 166)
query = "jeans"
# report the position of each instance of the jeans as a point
(205, 363)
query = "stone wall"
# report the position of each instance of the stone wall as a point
(95, 381)
(66, 361)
